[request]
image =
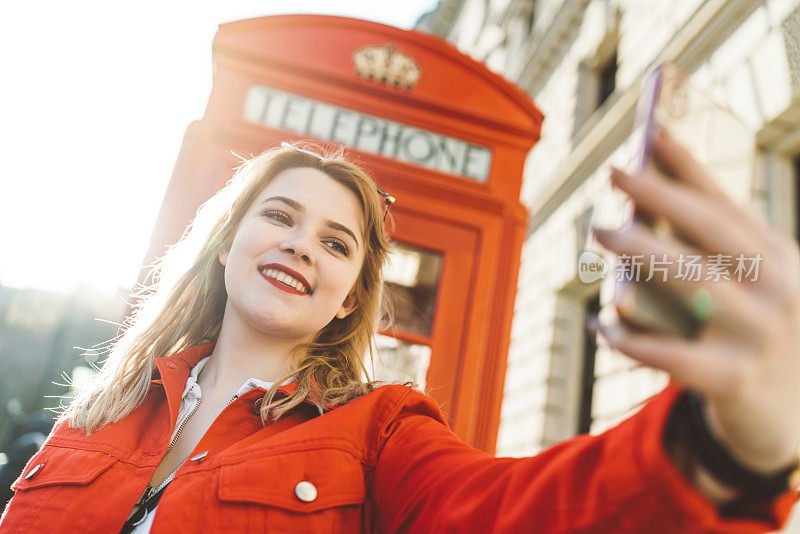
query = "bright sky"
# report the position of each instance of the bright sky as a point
(95, 99)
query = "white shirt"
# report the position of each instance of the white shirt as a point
(189, 400)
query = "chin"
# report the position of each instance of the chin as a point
(279, 325)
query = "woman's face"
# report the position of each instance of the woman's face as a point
(295, 256)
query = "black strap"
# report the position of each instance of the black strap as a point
(144, 508)
(716, 458)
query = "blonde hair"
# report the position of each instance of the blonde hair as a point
(183, 306)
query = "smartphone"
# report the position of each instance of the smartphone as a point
(719, 140)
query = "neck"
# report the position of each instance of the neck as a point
(242, 352)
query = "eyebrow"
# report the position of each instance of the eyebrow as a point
(299, 207)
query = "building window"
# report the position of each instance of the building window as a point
(597, 81)
(591, 310)
(606, 79)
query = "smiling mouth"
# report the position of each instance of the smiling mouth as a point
(284, 281)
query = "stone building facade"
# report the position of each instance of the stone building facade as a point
(582, 62)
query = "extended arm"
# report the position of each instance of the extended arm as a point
(427, 480)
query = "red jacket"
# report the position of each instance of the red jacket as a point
(386, 462)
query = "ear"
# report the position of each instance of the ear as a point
(223, 256)
(347, 307)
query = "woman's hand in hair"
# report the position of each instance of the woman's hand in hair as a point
(745, 361)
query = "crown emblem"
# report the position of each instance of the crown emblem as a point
(386, 64)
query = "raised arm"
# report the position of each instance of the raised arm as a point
(744, 365)
(427, 480)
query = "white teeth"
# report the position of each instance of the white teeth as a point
(286, 279)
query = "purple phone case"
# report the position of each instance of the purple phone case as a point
(644, 128)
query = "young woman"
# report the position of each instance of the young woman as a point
(237, 398)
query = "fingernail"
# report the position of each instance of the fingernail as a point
(624, 181)
(624, 300)
(604, 235)
(617, 173)
(612, 332)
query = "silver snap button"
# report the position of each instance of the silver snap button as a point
(305, 491)
(198, 457)
(33, 471)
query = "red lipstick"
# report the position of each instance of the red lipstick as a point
(280, 285)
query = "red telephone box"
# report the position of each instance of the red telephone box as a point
(438, 130)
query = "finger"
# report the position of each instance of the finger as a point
(698, 217)
(678, 162)
(711, 366)
(663, 263)
(712, 227)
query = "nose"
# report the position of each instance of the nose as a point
(299, 244)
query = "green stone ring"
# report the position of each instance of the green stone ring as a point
(701, 305)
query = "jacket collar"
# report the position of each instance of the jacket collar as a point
(174, 371)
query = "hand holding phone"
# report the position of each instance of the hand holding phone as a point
(720, 141)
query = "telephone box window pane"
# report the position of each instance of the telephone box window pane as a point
(411, 277)
(398, 361)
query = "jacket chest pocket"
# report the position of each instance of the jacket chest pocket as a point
(57, 466)
(52, 493)
(312, 491)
